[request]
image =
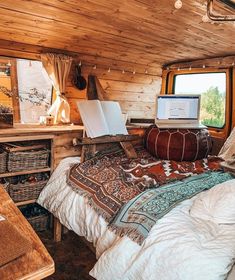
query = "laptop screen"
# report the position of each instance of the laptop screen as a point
(178, 107)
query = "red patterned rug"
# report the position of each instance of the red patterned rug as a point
(111, 179)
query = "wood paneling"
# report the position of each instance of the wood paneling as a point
(130, 35)
(4, 99)
(147, 33)
(63, 146)
(136, 93)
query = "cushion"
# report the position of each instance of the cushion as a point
(178, 144)
(217, 204)
(228, 150)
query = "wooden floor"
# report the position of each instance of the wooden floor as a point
(73, 259)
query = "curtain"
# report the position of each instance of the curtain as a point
(57, 67)
(228, 150)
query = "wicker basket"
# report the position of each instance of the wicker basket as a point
(26, 191)
(26, 156)
(27, 160)
(3, 161)
(37, 216)
(4, 184)
(39, 223)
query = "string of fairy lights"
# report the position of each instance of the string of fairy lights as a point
(109, 69)
(169, 68)
(190, 67)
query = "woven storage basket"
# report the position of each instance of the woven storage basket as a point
(26, 156)
(26, 191)
(37, 216)
(27, 160)
(3, 161)
(6, 187)
(39, 223)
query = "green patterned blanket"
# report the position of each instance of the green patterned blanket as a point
(136, 218)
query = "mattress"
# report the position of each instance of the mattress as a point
(121, 258)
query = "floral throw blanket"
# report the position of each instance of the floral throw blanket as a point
(110, 179)
(139, 215)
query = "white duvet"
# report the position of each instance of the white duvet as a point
(181, 246)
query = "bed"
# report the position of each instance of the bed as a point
(173, 246)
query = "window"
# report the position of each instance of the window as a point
(212, 88)
(25, 89)
(34, 90)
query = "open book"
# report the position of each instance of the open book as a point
(101, 118)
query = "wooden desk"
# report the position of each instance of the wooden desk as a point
(37, 264)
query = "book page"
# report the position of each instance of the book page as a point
(93, 118)
(114, 118)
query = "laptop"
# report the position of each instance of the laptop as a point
(178, 111)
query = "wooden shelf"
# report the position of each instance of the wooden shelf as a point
(21, 203)
(24, 172)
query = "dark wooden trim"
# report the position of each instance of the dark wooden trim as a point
(229, 3)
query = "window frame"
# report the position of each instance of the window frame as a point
(14, 86)
(168, 88)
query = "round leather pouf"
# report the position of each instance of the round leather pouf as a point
(178, 144)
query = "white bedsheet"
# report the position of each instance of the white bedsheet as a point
(73, 211)
(178, 247)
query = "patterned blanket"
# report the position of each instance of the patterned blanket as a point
(140, 214)
(110, 179)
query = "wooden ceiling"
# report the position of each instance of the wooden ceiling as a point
(140, 33)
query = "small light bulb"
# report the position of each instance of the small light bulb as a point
(123, 71)
(190, 68)
(178, 4)
(204, 66)
(178, 69)
(146, 71)
(134, 72)
(109, 70)
(80, 63)
(94, 67)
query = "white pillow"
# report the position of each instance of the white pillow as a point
(217, 204)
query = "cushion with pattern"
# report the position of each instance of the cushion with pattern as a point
(177, 144)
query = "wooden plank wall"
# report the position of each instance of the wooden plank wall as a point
(136, 92)
(6, 82)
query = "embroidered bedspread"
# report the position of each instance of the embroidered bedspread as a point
(139, 215)
(109, 180)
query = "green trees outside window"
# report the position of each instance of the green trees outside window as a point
(213, 107)
(212, 87)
